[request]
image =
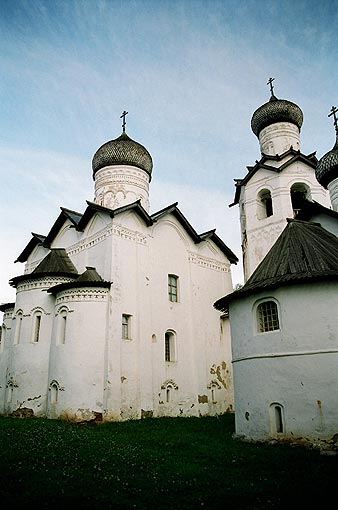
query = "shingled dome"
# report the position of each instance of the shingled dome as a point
(122, 151)
(276, 110)
(327, 166)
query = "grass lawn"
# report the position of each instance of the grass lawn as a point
(160, 463)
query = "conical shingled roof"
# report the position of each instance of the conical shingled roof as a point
(89, 278)
(57, 261)
(303, 251)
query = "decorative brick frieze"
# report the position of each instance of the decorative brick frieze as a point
(208, 263)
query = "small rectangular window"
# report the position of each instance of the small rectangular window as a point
(126, 326)
(173, 288)
(267, 316)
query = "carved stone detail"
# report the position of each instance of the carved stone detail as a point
(208, 263)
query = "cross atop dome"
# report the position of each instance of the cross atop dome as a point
(124, 120)
(334, 110)
(270, 80)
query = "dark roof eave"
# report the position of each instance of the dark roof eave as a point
(310, 159)
(77, 284)
(6, 306)
(33, 276)
(223, 303)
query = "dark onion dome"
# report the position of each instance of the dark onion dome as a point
(122, 151)
(276, 110)
(327, 166)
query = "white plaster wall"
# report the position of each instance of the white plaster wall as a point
(294, 366)
(4, 354)
(96, 370)
(261, 234)
(120, 185)
(78, 365)
(278, 138)
(27, 360)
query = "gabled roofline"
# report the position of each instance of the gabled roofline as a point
(309, 159)
(174, 210)
(79, 221)
(92, 208)
(35, 241)
(65, 214)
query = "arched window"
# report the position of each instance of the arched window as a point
(36, 326)
(214, 388)
(54, 389)
(277, 418)
(265, 208)
(267, 317)
(169, 388)
(299, 193)
(170, 346)
(62, 321)
(17, 327)
(2, 336)
(54, 393)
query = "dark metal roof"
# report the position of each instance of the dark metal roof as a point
(89, 278)
(276, 110)
(35, 241)
(6, 306)
(312, 208)
(80, 221)
(55, 262)
(304, 251)
(122, 151)
(309, 159)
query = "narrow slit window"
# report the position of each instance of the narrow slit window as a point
(18, 326)
(62, 327)
(173, 288)
(37, 327)
(169, 346)
(126, 326)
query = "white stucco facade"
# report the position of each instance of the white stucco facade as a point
(293, 368)
(125, 348)
(259, 231)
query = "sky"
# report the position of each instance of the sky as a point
(190, 73)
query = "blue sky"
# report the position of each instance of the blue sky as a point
(190, 73)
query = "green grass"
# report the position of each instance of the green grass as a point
(162, 463)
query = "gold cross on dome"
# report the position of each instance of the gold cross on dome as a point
(334, 110)
(270, 80)
(124, 120)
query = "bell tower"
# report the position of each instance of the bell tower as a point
(277, 185)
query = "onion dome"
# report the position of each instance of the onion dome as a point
(276, 110)
(122, 151)
(327, 166)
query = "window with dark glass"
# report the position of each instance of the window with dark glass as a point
(173, 288)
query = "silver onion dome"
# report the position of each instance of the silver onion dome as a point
(122, 151)
(276, 110)
(327, 166)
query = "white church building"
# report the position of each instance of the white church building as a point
(284, 320)
(114, 317)
(122, 314)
